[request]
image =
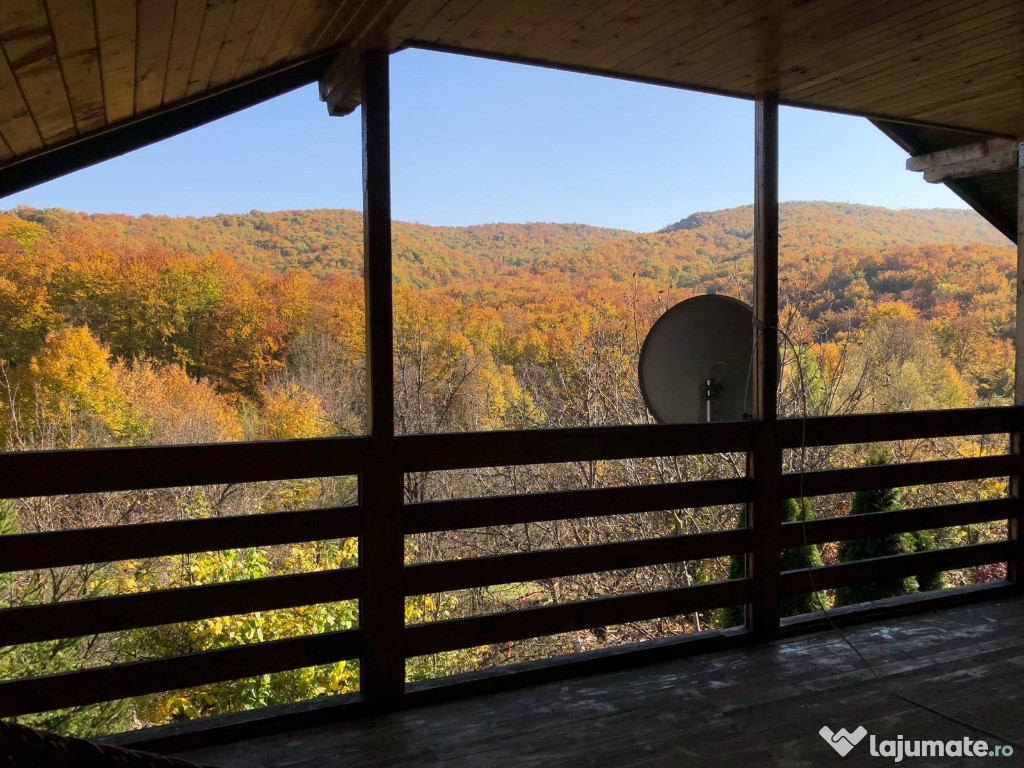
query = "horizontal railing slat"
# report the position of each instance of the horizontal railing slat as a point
(456, 514)
(422, 453)
(79, 618)
(552, 563)
(94, 470)
(882, 568)
(879, 427)
(422, 639)
(850, 527)
(828, 481)
(89, 686)
(53, 549)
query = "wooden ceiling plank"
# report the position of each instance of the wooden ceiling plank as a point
(460, 29)
(211, 38)
(975, 82)
(981, 91)
(682, 32)
(272, 20)
(806, 34)
(188, 24)
(733, 39)
(765, 50)
(980, 77)
(858, 59)
(359, 24)
(295, 28)
(821, 60)
(603, 27)
(243, 25)
(827, 62)
(5, 149)
(413, 19)
(545, 36)
(989, 50)
(345, 23)
(318, 23)
(116, 29)
(74, 31)
(1006, 114)
(652, 21)
(973, 102)
(32, 53)
(16, 123)
(152, 53)
(447, 18)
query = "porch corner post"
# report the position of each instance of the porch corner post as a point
(764, 463)
(1015, 525)
(381, 493)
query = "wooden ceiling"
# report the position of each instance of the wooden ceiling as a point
(952, 62)
(71, 68)
(76, 70)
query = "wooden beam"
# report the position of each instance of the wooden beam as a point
(340, 86)
(911, 425)
(457, 514)
(381, 543)
(828, 481)
(961, 154)
(989, 156)
(94, 470)
(361, 30)
(764, 463)
(468, 573)
(848, 527)
(423, 453)
(92, 148)
(90, 686)
(1004, 161)
(892, 566)
(117, 613)
(106, 544)
(438, 636)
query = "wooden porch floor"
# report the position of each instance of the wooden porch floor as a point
(756, 706)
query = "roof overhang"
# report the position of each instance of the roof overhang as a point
(83, 81)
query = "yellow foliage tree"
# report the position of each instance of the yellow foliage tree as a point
(156, 396)
(74, 383)
(288, 412)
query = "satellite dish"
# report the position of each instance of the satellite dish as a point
(695, 362)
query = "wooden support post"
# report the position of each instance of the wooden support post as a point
(764, 464)
(381, 543)
(1015, 568)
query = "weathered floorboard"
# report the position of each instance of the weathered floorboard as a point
(758, 706)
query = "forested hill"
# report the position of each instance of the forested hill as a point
(327, 241)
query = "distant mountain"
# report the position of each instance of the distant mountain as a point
(328, 241)
(849, 224)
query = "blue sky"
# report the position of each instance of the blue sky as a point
(478, 141)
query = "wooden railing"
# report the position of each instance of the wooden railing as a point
(89, 471)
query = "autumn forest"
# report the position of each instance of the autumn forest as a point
(121, 331)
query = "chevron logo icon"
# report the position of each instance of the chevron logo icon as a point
(842, 741)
